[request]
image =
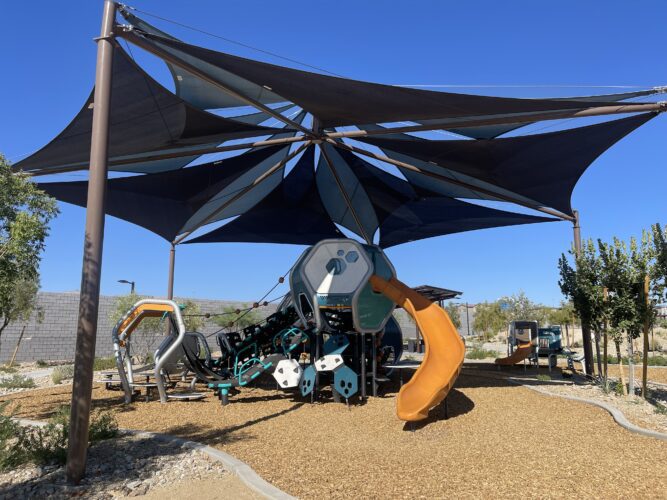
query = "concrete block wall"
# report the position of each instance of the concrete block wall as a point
(54, 338)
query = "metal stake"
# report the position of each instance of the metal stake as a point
(172, 263)
(92, 253)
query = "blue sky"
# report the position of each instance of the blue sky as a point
(48, 59)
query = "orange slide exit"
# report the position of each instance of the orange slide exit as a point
(444, 351)
(519, 354)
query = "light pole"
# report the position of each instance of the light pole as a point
(131, 283)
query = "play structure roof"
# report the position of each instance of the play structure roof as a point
(343, 157)
(435, 294)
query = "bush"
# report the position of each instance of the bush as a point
(544, 377)
(660, 408)
(17, 381)
(7, 369)
(9, 429)
(42, 364)
(48, 444)
(61, 373)
(478, 352)
(104, 364)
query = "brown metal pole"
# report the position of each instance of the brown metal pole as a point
(645, 293)
(92, 253)
(585, 328)
(172, 264)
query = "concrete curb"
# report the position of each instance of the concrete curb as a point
(242, 470)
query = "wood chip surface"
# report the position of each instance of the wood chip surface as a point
(500, 441)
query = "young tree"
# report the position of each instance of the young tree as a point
(582, 285)
(238, 318)
(454, 314)
(563, 316)
(25, 214)
(489, 319)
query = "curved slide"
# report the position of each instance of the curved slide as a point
(444, 351)
(519, 354)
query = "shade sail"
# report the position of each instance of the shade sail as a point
(164, 202)
(542, 167)
(145, 118)
(292, 213)
(409, 213)
(339, 101)
(493, 131)
(297, 212)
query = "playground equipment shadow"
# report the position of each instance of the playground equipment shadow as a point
(334, 451)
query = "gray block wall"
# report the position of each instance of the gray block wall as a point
(54, 338)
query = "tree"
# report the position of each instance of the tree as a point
(489, 319)
(25, 214)
(238, 318)
(582, 285)
(454, 314)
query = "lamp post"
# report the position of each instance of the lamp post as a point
(131, 283)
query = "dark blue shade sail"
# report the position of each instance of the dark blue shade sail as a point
(292, 213)
(542, 167)
(340, 101)
(409, 213)
(145, 119)
(164, 202)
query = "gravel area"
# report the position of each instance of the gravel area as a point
(332, 451)
(129, 466)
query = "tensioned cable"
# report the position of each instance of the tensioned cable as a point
(229, 40)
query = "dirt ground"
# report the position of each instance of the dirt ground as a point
(495, 433)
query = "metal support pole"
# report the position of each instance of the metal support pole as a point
(467, 320)
(172, 263)
(585, 328)
(363, 366)
(92, 253)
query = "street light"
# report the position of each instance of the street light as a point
(126, 282)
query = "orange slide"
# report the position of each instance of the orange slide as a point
(444, 351)
(519, 354)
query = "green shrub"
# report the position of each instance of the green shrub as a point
(104, 364)
(61, 373)
(544, 377)
(10, 455)
(42, 364)
(17, 381)
(48, 444)
(103, 425)
(478, 352)
(660, 408)
(7, 369)
(617, 388)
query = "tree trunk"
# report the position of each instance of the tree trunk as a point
(567, 335)
(620, 366)
(604, 373)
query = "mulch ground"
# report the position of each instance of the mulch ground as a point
(500, 440)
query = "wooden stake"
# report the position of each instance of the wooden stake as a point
(16, 349)
(646, 329)
(605, 295)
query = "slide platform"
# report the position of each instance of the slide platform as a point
(519, 354)
(444, 351)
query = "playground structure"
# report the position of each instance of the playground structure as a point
(334, 328)
(527, 342)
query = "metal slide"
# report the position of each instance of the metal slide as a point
(444, 351)
(522, 352)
